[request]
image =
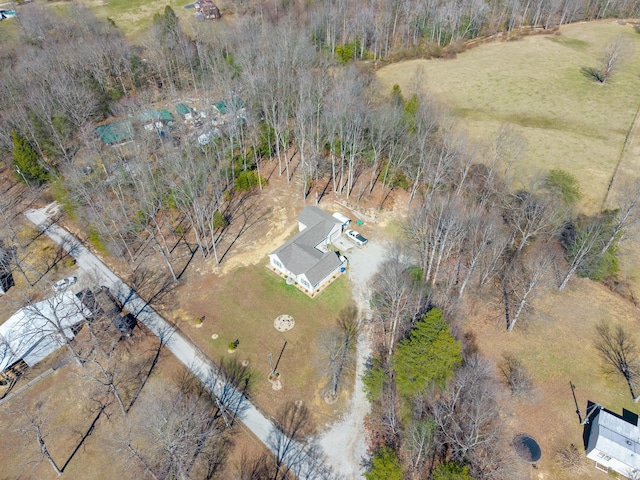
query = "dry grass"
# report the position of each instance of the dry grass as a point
(535, 84)
(555, 346)
(134, 17)
(62, 399)
(243, 305)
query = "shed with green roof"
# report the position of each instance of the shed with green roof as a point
(115, 132)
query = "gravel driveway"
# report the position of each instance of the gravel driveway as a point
(344, 441)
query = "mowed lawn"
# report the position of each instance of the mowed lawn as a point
(243, 305)
(536, 85)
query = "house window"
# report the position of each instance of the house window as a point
(604, 456)
(277, 263)
(305, 283)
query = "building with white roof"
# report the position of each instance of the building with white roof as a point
(36, 331)
(614, 441)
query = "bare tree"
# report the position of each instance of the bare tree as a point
(468, 425)
(572, 460)
(522, 276)
(613, 53)
(581, 245)
(397, 297)
(619, 352)
(339, 347)
(515, 374)
(181, 434)
(35, 429)
(531, 216)
(294, 451)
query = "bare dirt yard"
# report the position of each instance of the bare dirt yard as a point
(63, 401)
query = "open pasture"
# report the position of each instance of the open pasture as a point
(536, 85)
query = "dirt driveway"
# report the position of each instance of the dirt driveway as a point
(344, 442)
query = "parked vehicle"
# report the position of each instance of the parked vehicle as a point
(62, 285)
(356, 237)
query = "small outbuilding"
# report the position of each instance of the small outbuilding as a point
(115, 133)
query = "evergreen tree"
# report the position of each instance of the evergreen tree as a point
(26, 160)
(428, 357)
(451, 471)
(384, 466)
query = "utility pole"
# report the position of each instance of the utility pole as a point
(280, 356)
(573, 391)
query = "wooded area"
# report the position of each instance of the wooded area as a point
(302, 102)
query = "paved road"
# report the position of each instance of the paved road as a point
(182, 348)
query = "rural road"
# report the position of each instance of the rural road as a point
(344, 442)
(183, 349)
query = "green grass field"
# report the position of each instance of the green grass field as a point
(536, 85)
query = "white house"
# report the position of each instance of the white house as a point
(614, 441)
(305, 258)
(35, 331)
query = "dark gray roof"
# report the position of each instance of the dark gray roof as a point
(324, 267)
(311, 216)
(299, 255)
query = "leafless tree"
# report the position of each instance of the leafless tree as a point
(619, 352)
(398, 296)
(582, 245)
(531, 216)
(515, 374)
(294, 451)
(522, 277)
(468, 425)
(35, 428)
(339, 347)
(613, 53)
(572, 460)
(180, 434)
(436, 233)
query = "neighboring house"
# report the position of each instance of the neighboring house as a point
(155, 119)
(185, 111)
(206, 9)
(6, 277)
(226, 110)
(305, 258)
(35, 331)
(614, 441)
